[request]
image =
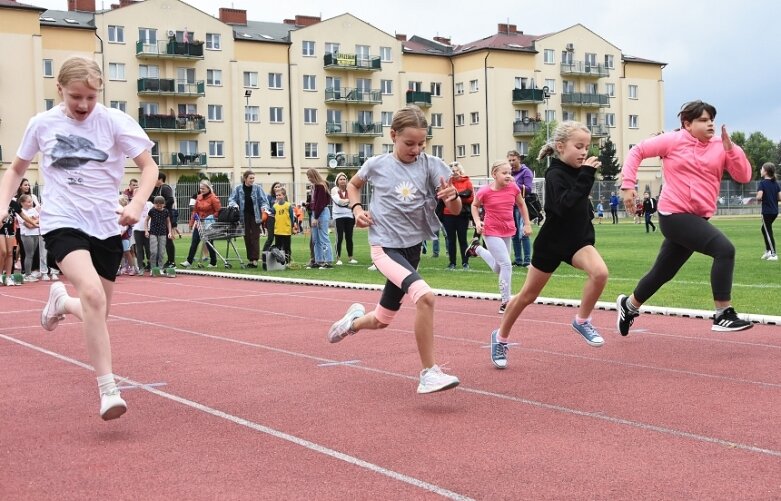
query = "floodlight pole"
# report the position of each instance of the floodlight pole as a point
(248, 149)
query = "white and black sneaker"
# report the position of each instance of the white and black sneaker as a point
(625, 317)
(729, 321)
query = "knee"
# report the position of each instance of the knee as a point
(93, 297)
(426, 302)
(600, 274)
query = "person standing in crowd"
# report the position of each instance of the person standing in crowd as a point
(693, 157)
(84, 148)
(284, 224)
(321, 218)
(343, 219)
(157, 228)
(271, 198)
(566, 237)
(769, 194)
(164, 190)
(206, 204)
(649, 207)
(130, 191)
(402, 214)
(614, 201)
(524, 178)
(141, 242)
(252, 201)
(456, 225)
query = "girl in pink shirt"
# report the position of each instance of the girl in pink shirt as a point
(694, 163)
(497, 200)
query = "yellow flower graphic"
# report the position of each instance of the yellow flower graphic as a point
(405, 192)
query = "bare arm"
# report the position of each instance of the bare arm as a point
(146, 164)
(10, 182)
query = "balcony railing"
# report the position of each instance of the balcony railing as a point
(422, 99)
(189, 124)
(348, 95)
(347, 160)
(527, 127)
(585, 99)
(598, 130)
(170, 49)
(169, 86)
(582, 68)
(181, 160)
(521, 96)
(353, 129)
(342, 61)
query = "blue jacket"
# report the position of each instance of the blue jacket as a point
(259, 201)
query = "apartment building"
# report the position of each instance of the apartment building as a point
(223, 94)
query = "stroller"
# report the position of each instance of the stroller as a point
(210, 232)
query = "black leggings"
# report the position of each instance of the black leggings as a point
(455, 228)
(344, 231)
(767, 232)
(685, 234)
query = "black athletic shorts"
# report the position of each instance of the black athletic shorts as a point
(106, 254)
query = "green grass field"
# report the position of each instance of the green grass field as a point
(627, 249)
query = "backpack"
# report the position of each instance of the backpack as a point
(228, 214)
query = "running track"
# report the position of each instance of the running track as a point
(235, 394)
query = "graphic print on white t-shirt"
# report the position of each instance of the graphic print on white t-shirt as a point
(73, 151)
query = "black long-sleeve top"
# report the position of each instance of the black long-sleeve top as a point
(568, 224)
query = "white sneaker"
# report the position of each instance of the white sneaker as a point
(344, 326)
(28, 279)
(9, 281)
(338, 262)
(766, 255)
(433, 379)
(185, 264)
(45, 277)
(772, 257)
(36, 274)
(54, 276)
(372, 268)
(352, 261)
(111, 405)
(54, 310)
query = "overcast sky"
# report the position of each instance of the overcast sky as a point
(725, 53)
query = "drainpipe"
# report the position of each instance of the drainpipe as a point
(290, 111)
(487, 144)
(453, 101)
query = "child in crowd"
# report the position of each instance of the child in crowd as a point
(143, 254)
(128, 265)
(157, 229)
(566, 237)
(407, 184)
(84, 148)
(694, 164)
(769, 194)
(30, 231)
(498, 200)
(284, 223)
(600, 210)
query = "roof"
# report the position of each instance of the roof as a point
(264, 32)
(63, 18)
(632, 59)
(517, 42)
(16, 5)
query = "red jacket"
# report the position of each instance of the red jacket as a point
(463, 184)
(205, 205)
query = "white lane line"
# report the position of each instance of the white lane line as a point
(420, 484)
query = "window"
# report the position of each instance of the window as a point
(49, 104)
(187, 109)
(148, 71)
(415, 86)
(277, 149)
(365, 150)
(591, 59)
(633, 122)
(550, 115)
(387, 118)
(363, 84)
(251, 149)
(436, 89)
(188, 147)
(275, 80)
(334, 148)
(568, 115)
(438, 150)
(459, 119)
(436, 119)
(147, 35)
(522, 147)
(116, 71)
(566, 57)
(385, 54)
(387, 148)
(213, 41)
(633, 92)
(460, 151)
(48, 68)
(365, 117)
(567, 86)
(591, 88)
(214, 77)
(251, 79)
(459, 88)
(551, 84)
(361, 53)
(610, 119)
(308, 48)
(252, 113)
(334, 116)
(386, 87)
(118, 105)
(310, 150)
(185, 80)
(475, 149)
(116, 34)
(549, 56)
(521, 114)
(473, 86)
(474, 117)
(310, 115)
(149, 108)
(310, 82)
(216, 149)
(275, 115)
(331, 48)
(609, 61)
(610, 89)
(215, 113)
(521, 83)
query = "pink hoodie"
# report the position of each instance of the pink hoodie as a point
(692, 170)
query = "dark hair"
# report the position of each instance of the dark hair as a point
(770, 170)
(693, 110)
(161, 176)
(159, 200)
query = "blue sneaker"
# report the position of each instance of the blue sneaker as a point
(498, 351)
(589, 333)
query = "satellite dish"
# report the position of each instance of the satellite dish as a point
(332, 163)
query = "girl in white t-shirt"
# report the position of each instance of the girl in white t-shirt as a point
(29, 232)
(84, 147)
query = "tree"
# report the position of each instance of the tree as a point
(759, 149)
(607, 156)
(535, 145)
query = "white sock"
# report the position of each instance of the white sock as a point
(106, 383)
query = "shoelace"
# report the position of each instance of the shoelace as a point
(500, 350)
(591, 332)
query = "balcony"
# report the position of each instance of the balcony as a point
(356, 129)
(344, 160)
(351, 62)
(171, 87)
(527, 127)
(170, 49)
(586, 100)
(525, 96)
(184, 124)
(353, 96)
(429, 132)
(583, 69)
(418, 98)
(598, 130)
(181, 160)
